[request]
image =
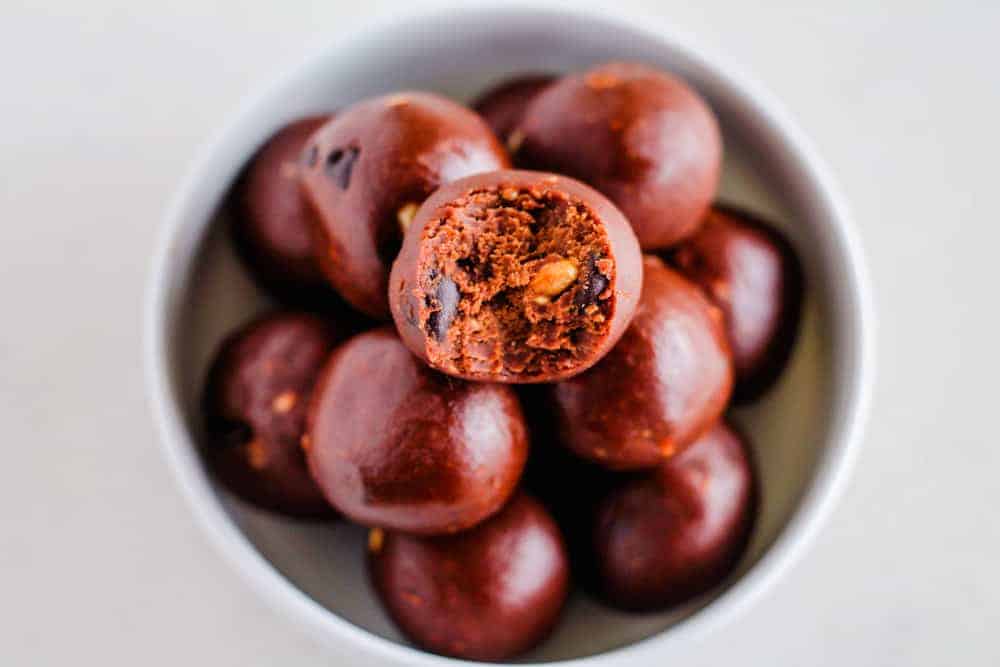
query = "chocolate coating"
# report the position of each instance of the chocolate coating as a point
(272, 228)
(372, 163)
(503, 105)
(677, 532)
(393, 444)
(255, 411)
(666, 381)
(489, 593)
(515, 276)
(752, 272)
(639, 135)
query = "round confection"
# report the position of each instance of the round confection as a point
(369, 169)
(503, 105)
(489, 593)
(752, 272)
(515, 276)
(666, 381)
(637, 134)
(396, 445)
(680, 529)
(272, 228)
(255, 411)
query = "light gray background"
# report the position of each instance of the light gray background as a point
(102, 106)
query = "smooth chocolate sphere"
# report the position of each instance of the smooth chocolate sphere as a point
(271, 226)
(489, 593)
(678, 531)
(515, 276)
(394, 444)
(503, 105)
(752, 272)
(368, 170)
(255, 411)
(668, 379)
(639, 135)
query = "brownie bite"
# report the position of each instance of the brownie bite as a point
(515, 276)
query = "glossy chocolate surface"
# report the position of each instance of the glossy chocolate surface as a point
(680, 529)
(271, 227)
(255, 411)
(370, 167)
(396, 445)
(489, 593)
(639, 135)
(668, 379)
(515, 276)
(503, 105)
(752, 272)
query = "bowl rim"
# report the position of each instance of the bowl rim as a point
(831, 471)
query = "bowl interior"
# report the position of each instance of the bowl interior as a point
(208, 294)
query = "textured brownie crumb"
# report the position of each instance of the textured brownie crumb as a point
(514, 282)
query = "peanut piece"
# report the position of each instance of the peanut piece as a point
(284, 402)
(404, 216)
(552, 279)
(375, 540)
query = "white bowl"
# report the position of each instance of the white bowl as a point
(805, 432)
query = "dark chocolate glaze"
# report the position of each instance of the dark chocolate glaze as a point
(371, 162)
(680, 529)
(394, 444)
(255, 411)
(752, 272)
(271, 226)
(503, 105)
(423, 320)
(489, 593)
(668, 379)
(639, 135)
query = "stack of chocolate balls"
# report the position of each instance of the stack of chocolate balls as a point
(516, 378)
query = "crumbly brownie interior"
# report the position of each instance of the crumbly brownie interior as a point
(516, 282)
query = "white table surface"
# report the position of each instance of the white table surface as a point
(102, 106)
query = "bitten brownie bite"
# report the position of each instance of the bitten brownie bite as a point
(369, 169)
(678, 531)
(272, 229)
(489, 593)
(503, 105)
(515, 276)
(396, 445)
(639, 135)
(752, 272)
(666, 381)
(255, 411)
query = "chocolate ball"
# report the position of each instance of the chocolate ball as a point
(503, 105)
(255, 411)
(515, 276)
(369, 168)
(489, 593)
(393, 444)
(639, 135)
(271, 227)
(666, 381)
(677, 532)
(752, 272)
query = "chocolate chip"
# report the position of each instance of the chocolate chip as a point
(311, 156)
(593, 284)
(340, 163)
(446, 298)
